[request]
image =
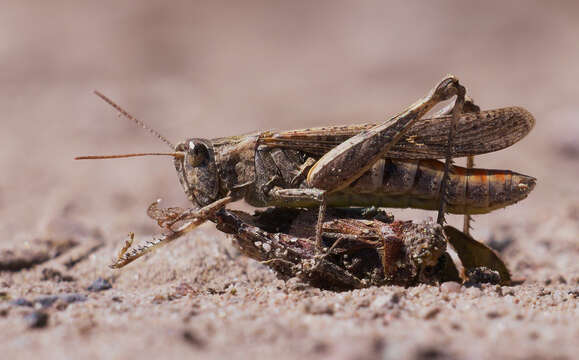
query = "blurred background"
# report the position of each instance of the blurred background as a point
(209, 69)
(214, 68)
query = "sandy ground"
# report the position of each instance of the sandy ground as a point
(198, 70)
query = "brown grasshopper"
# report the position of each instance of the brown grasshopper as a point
(392, 164)
(364, 248)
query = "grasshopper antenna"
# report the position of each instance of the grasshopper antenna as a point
(131, 117)
(121, 156)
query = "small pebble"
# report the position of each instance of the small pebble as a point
(22, 302)
(501, 244)
(73, 298)
(99, 284)
(296, 284)
(474, 292)
(319, 309)
(450, 287)
(431, 313)
(380, 302)
(320, 347)
(266, 247)
(431, 352)
(191, 338)
(55, 275)
(385, 301)
(36, 320)
(46, 301)
(493, 315)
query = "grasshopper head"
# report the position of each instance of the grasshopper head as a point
(197, 170)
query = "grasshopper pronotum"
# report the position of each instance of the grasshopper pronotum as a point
(391, 164)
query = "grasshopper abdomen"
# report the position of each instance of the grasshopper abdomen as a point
(416, 184)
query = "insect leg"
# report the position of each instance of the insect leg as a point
(320, 223)
(444, 184)
(303, 198)
(294, 198)
(468, 107)
(127, 254)
(466, 226)
(205, 212)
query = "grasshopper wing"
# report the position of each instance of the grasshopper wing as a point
(477, 133)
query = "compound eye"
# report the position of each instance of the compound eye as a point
(199, 153)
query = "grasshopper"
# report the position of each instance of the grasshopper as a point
(391, 164)
(364, 248)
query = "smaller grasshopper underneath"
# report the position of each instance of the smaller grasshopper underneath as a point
(391, 164)
(364, 248)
